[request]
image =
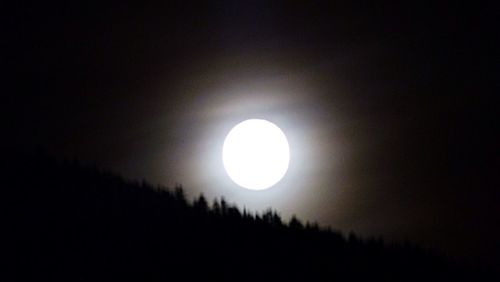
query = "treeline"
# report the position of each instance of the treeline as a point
(65, 221)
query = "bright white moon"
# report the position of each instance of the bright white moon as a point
(256, 154)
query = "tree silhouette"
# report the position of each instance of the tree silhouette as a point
(272, 218)
(216, 207)
(295, 223)
(201, 204)
(179, 194)
(223, 206)
(70, 222)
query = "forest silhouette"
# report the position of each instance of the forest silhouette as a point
(70, 222)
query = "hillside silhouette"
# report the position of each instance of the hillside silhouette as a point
(69, 222)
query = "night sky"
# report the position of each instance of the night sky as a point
(388, 108)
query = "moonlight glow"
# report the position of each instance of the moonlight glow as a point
(256, 154)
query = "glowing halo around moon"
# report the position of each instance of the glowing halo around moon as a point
(256, 154)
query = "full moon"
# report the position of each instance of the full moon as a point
(256, 154)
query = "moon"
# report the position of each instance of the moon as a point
(256, 154)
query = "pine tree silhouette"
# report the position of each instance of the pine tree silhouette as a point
(70, 222)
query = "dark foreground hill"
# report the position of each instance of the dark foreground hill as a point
(66, 222)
